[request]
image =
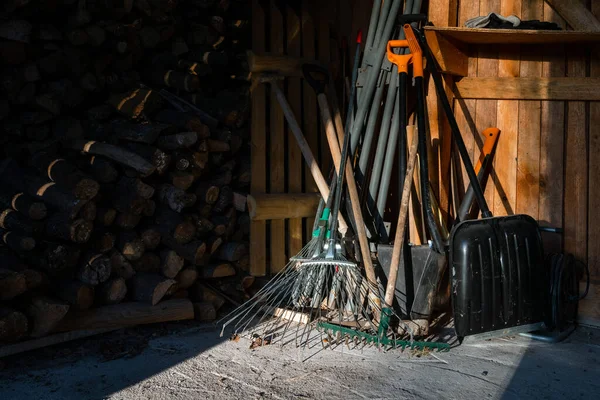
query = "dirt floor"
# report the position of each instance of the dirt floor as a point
(187, 361)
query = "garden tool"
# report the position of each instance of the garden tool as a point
(301, 140)
(498, 273)
(423, 270)
(467, 209)
(318, 78)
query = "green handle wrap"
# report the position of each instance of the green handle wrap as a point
(324, 217)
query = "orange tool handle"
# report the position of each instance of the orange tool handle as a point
(402, 60)
(491, 137)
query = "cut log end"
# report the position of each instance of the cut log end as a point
(112, 291)
(187, 277)
(13, 325)
(86, 189)
(37, 211)
(150, 288)
(204, 312)
(95, 270)
(45, 314)
(171, 263)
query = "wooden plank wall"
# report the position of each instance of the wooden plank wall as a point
(301, 28)
(547, 161)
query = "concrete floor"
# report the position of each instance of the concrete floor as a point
(193, 362)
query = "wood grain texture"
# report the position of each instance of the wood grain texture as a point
(593, 258)
(512, 36)
(282, 206)
(258, 230)
(277, 152)
(310, 122)
(324, 56)
(576, 168)
(552, 144)
(576, 14)
(571, 88)
(528, 152)
(294, 160)
(465, 110)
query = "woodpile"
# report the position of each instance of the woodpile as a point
(125, 162)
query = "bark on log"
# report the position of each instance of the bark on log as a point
(177, 141)
(128, 314)
(182, 179)
(102, 170)
(173, 225)
(150, 237)
(10, 220)
(61, 226)
(45, 314)
(204, 312)
(192, 252)
(12, 284)
(17, 241)
(149, 208)
(130, 245)
(146, 133)
(201, 293)
(23, 203)
(103, 242)
(204, 226)
(148, 262)
(79, 295)
(175, 198)
(170, 263)
(112, 291)
(121, 267)
(56, 259)
(183, 121)
(105, 216)
(127, 221)
(95, 269)
(66, 175)
(224, 200)
(114, 153)
(232, 251)
(155, 156)
(13, 325)
(89, 211)
(149, 288)
(46, 191)
(218, 146)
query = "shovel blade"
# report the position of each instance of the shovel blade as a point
(498, 274)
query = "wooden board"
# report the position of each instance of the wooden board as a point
(552, 143)
(294, 161)
(258, 229)
(593, 258)
(324, 56)
(277, 148)
(486, 114)
(310, 123)
(589, 308)
(465, 110)
(576, 14)
(576, 168)
(511, 36)
(571, 88)
(282, 206)
(528, 152)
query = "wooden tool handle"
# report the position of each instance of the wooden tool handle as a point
(401, 227)
(305, 148)
(334, 146)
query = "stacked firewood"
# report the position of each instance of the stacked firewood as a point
(126, 157)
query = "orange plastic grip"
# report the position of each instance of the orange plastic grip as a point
(401, 60)
(491, 137)
(415, 51)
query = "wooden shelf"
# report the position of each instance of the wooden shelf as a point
(513, 36)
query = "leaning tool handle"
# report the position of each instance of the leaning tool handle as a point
(464, 154)
(485, 158)
(417, 63)
(334, 146)
(401, 227)
(305, 148)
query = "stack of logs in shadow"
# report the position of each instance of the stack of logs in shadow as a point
(125, 159)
